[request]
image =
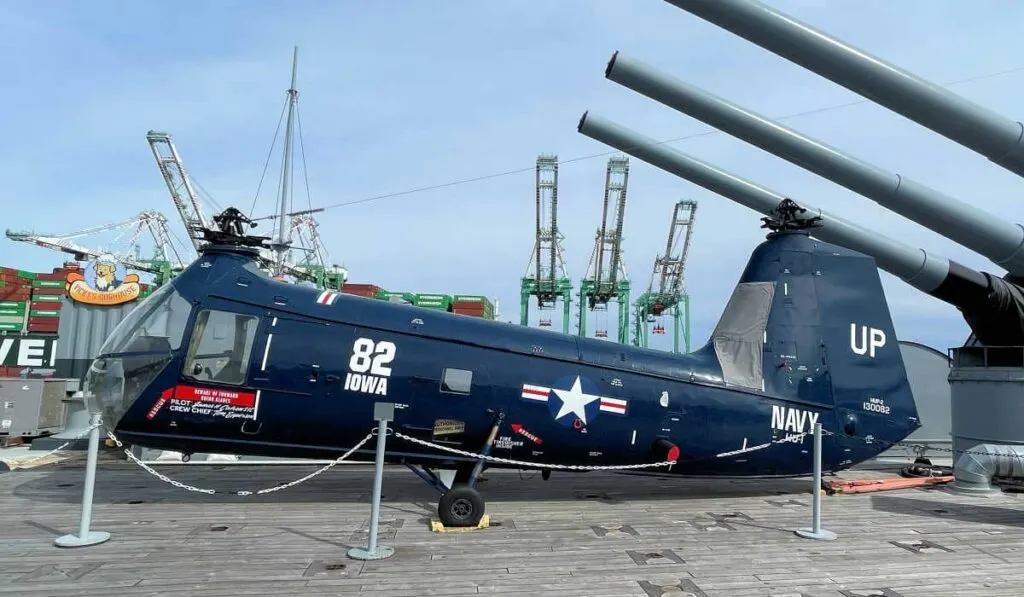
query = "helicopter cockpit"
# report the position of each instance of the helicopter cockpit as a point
(137, 353)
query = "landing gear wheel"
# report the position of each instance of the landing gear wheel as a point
(461, 506)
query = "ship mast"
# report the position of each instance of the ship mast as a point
(282, 245)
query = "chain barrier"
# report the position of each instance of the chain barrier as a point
(12, 464)
(793, 438)
(193, 488)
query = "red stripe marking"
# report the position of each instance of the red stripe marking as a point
(535, 392)
(156, 408)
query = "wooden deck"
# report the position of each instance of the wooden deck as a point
(590, 534)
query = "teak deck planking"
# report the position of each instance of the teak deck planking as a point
(587, 534)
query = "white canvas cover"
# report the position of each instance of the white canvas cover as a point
(739, 335)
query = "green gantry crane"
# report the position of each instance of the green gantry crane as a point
(546, 277)
(666, 293)
(606, 278)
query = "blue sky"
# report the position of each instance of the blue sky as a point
(399, 95)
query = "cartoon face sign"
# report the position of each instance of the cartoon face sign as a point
(104, 282)
(106, 275)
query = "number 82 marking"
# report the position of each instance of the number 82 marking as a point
(372, 357)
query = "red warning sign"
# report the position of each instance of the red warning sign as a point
(212, 402)
(215, 395)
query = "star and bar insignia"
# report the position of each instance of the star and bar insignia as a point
(576, 396)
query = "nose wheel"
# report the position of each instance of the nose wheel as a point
(461, 506)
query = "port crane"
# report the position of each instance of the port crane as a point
(666, 294)
(315, 263)
(548, 280)
(313, 266)
(183, 193)
(162, 265)
(606, 278)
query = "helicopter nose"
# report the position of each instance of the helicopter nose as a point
(115, 384)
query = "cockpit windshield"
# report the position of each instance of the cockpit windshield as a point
(156, 325)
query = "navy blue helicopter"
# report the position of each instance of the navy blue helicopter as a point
(226, 359)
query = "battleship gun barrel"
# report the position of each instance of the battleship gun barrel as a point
(991, 306)
(998, 240)
(929, 273)
(994, 136)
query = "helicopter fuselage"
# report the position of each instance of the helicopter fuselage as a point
(225, 359)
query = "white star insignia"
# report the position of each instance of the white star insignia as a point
(574, 400)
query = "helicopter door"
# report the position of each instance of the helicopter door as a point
(289, 370)
(213, 389)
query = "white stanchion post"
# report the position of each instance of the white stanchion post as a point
(816, 532)
(383, 412)
(87, 537)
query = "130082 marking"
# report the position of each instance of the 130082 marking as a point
(876, 405)
(368, 366)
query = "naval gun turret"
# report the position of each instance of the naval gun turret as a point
(1000, 241)
(994, 136)
(992, 307)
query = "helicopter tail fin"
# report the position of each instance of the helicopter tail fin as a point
(809, 322)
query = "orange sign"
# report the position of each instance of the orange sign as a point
(105, 282)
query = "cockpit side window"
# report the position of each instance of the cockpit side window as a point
(220, 347)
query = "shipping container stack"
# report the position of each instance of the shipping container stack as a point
(404, 298)
(15, 292)
(473, 305)
(31, 302)
(47, 298)
(365, 290)
(463, 304)
(439, 302)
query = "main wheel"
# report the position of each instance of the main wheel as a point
(461, 506)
